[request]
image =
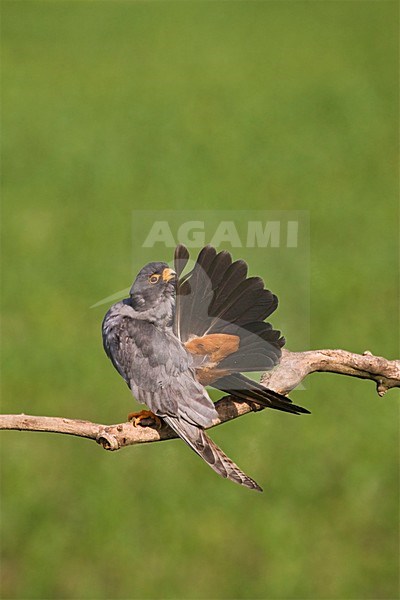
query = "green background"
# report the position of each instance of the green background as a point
(110, 107)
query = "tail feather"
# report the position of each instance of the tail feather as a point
(242, 387)
(208, 450)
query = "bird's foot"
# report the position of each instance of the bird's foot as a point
(144, 415)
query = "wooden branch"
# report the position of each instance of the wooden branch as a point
(295, 366)
(290, 372)
(114, 437)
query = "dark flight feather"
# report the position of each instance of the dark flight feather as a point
(218, 297)
(181, 258)
(244, 388)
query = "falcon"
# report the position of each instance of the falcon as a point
(177, 333)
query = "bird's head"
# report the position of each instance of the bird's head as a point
(154, 290)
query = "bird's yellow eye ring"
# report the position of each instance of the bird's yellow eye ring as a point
(154, 278)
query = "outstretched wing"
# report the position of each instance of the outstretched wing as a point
(220, 318)
(217, 297)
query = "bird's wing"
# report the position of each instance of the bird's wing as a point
(199, 441)
(219, 317)
(217, 304)
(217, 293)
(157, 368)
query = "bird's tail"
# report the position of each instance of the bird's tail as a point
(199, 441)
(240, 386)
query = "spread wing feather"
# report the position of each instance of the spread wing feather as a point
(195, 294)
(217, 297)
(181, 258)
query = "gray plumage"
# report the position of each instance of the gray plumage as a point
(139, 339)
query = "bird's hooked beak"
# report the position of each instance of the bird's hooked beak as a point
(168, 274)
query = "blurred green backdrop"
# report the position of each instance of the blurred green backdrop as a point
(114, 106)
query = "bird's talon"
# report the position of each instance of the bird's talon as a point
(144, 415)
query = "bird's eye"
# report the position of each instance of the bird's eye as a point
(154, 278)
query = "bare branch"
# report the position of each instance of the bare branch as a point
(293, 368)
(114, 437)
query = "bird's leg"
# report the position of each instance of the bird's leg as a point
(142, 415)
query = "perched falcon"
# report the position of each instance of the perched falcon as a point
(177, 333)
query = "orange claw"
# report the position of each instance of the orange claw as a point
(137, 417)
